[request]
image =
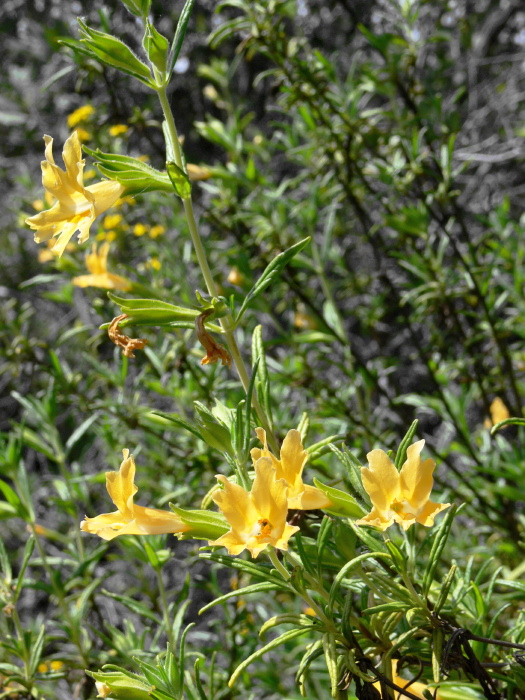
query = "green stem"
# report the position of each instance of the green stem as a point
(165, 610)
(227, 322)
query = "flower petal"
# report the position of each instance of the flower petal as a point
(293, 459)
(429, 512)
(377, 519)
(381, 480)
(270, 496)
(121, 486)
(105, 193)
(416, 476)
(72, 155)
(231, 541)
(236, 505)
(311, 498)
(152, 521)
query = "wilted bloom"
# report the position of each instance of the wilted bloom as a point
(77, 206)
(400, 497)
(130, 519)
(96, 263)
(290, 467)
(257, 518)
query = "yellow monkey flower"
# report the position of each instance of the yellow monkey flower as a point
(257, 518)
(130, 519)
(77, 206)
(400, 497)
(96, 263)
(290, 467)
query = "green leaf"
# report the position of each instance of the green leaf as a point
(134, 606)
(507, 421)
(342, 503)
(174, 418)
(179, 179)
(405, 443)
(180, 32)
(437, 548)
(156, 47)
(247, 567)
(113, 52)
(152, 312)
(254, 588)
(281, 639)
(271, 273)
(346, 569)
(139, 8)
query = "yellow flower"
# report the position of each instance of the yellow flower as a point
(498, 412)
(258, 518)
(77, 206)
(401, 497)
(154, 264)
(290, 467)
(82, 134)
(130, 519)
(111, 220)
(156, 231)
(196, 172)
(80, 115)
(57, 665)
(96, 263)
(139, 229)
(118, 129)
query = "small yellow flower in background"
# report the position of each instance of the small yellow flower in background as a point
(111, 220)
(77, 206)
(48, 254)
(257, 518)
(154, 264)
(156, 231)
(498, 412)
(96, 263)
(57, 665)
(82, 134)
(139, 229)
(290, 467)
(128, 199)
(118, 129)
(304, 321)
(90, 174)
(42, 668)
(235, 276)
(38, 204)
(400, 497)
(130, 519)
(80, 115)
(196, 172)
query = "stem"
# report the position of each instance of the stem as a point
(226, 323)
(165, 610)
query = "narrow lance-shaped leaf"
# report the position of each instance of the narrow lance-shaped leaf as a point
(270, 273)
(180, 32)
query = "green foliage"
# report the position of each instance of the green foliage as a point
(360, 212)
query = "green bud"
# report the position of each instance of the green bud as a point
(120, 684)
(156, 47)
(139, 8)
(213, 433)
(113, 52)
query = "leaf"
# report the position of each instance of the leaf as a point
(179, 180)
(254, 588)
(402, 451)
(134, 606)
(281, 639)
(270, 274)
(180, 32)
(437, 548)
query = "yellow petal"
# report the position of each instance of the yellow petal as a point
(257, 453)
(72, 155)
(231, 541)
(235, 504)
(377, 519)
(152, 521)
(293, 459)
(105, 193)
(270, 496)
(310, 498)
(121, 486)
(416, 476)
(103, 281)
(381, 480)
(429, 512)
